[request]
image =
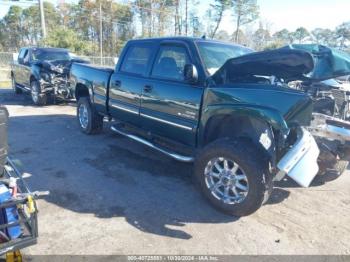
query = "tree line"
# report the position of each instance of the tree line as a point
(78, 26)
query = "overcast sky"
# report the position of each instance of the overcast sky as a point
(279, 14)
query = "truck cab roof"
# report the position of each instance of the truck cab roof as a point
(47, 49)
(186, 39)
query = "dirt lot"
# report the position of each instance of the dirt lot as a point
(110, 195)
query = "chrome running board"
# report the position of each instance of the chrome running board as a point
(145, 142)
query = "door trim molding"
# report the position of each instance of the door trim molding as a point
(166, 122)
(136, 112)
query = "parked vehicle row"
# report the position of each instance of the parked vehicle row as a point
(225, 108)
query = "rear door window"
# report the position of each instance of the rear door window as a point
(137, 59)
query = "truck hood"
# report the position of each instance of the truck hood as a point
(294, 106)
(290, 63)
(58, 66)
(328, 62)
(283, 63)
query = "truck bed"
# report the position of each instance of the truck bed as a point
(96, 78)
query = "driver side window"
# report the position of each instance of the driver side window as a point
(170, 62)
(26, 57)
(21, 55)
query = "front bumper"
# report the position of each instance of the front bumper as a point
(300, 162)
(57, 85)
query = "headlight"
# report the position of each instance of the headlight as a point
(46, 77)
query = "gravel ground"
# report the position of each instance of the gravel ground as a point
(110, 195)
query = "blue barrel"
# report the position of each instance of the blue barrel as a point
(9, 214)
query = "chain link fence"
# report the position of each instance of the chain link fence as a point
(101, 61)
(6, 58)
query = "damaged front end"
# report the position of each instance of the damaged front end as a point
(54, 78)
(300, 161)
(260, 81)
(330, 125)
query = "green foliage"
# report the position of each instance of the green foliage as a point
(76, 25)
(215, 14)
(222, 35)
(245, 12)
(273, 45)
(157, 15)
(11, 31)
(301, 33)
(67, 38)
(283, 36)
(342, 33)
(261, 38)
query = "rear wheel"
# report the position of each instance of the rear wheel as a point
(38, 98)
(233, 176)
(15, 88)
(90, 122)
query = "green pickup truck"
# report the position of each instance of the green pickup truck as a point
(212, 103)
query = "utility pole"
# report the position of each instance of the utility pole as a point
(101, 45)
(42, 18)
(186, 21)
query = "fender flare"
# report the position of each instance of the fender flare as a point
(35, 72)
(84, 82)
(269, 115)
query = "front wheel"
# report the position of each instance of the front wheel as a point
(38, 98)
(90, 122)
(233, 176)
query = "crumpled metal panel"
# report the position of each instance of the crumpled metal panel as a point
(300, 162)
(328, 62)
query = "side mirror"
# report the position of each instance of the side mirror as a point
(20, 60)
(190, 74)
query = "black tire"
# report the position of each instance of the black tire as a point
(255, 166)
(51, 100)
(332, 172)
(15, 88)
(94, 124)
(38, 98)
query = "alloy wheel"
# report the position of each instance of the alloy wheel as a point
(226, 180)
(35, 92)
(83, 116)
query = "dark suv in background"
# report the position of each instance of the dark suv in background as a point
(43, 72)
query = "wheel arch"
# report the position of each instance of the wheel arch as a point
(81, 90)
(256, 129)
(32, 78)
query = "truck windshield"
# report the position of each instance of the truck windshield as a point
(214, 55)
(45, 55)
